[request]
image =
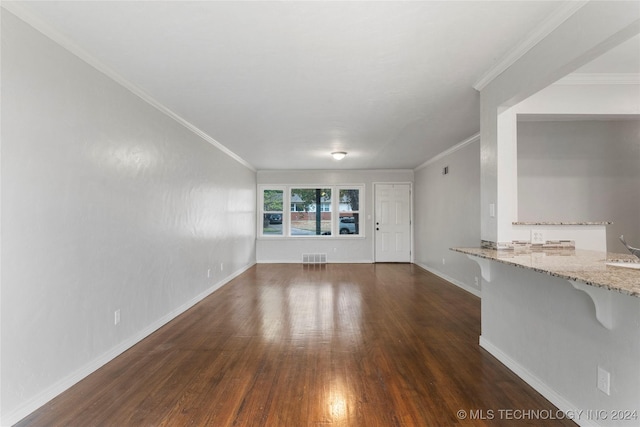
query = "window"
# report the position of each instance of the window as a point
(272, 213)
(349, 209)
(312, 216)
(298, 211)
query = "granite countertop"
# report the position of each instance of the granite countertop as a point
(572, 264)
(562, 223)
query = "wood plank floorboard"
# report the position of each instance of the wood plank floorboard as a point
(295, 345)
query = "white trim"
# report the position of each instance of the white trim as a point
(286, 212)
(362, 226)
(65, 383)
(329, 261)
(261, 213)
(333, 170)
(279, 237)
(411, 218)
(66, 43)
(553, 21)
(412, 253)
(551, 395)
(600, 79)
(449, 151)
(474, 291)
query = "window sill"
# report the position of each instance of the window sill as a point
(328, 238)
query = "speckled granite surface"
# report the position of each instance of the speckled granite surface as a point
(562, 223)
(573, 264)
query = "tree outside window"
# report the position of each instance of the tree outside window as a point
(292, 211)
(312, 213)
(349, 210)
(272, 212)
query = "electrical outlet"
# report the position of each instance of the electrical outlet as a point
(537, 237)
(492, 210)
(209, 274)
(116, 317)
(443, 262)
(604, 381)
(221, 266)
(476, 281)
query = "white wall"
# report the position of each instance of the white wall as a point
(581, 171)
(106, 204)
(591, 31)
(338, 249)
(547, 332)
(600, 97)
(448, 215)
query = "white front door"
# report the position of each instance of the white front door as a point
(393, 222)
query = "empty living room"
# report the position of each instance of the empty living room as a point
(303, 213)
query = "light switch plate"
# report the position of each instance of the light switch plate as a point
(604, 381)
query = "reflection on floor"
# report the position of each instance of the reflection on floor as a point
(294, 345)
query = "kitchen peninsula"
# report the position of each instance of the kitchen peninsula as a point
(568, 323)
(589, 267)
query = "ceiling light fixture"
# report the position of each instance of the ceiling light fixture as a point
(339, 155)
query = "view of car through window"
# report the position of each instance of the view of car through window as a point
(347, 225)
(311, 211)
(273, 218)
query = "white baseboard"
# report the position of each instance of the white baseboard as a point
(560, 402)
(299, 261)
(475, 291)
(65, 383)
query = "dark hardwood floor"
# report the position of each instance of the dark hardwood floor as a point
(293, 345)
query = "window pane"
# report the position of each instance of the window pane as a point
(349, 211)
(350, 200)
(272, 212)
(310, 211)
(273, 200)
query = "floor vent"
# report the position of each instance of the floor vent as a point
(314, 258)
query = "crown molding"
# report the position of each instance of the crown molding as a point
(43, 27)
(449, 151)
(600, 79)
(553, 21)
(366, 171)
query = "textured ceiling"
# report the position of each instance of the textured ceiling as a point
(282, 84)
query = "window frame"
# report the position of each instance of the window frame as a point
(287, 210)
(318, 209)
(359, 211)
(262, 212)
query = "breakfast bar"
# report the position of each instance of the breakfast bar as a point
(613, 271)
(567, 321)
